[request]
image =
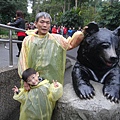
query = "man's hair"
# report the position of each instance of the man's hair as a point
(43, 14)
(27, 73)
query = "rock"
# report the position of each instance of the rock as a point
(68, 63)
(71, 107)
(9, 108)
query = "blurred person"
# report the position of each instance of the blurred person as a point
(32, 26)
(65, 30)
(19, 23)
(79, 29)
(61, 30)
(73, 31)
(54, 29)
(70, 32)
(27, 26)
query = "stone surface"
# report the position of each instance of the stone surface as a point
(9, 108)
(70, 107)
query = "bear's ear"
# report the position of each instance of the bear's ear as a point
(117, 31)
(92, 28)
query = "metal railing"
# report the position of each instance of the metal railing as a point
(10, 41)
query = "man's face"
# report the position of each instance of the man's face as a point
(43, 25)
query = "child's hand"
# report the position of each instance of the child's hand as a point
(26, 86)
(15, 89)
(55, 83)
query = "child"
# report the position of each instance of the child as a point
(39, 102)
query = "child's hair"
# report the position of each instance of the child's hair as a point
(27, 73)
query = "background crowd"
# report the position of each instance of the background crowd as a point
(63, 30)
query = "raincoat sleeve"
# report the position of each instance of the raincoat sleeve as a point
(75, 40)
(70, 42)
(21, 97)
(22, 61)
(55, 92)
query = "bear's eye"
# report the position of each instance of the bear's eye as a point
(105, 46)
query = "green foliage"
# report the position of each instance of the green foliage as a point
(90, 11)
(110, 16)
(4, 32)
(8, 9)
(72, 18)
(52, 7)
(63, 12)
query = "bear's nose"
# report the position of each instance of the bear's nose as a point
(113, 59)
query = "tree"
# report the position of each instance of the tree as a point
(72, 18)
(110, 16)
(8, 9)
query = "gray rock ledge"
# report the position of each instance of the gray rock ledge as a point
(70, 107)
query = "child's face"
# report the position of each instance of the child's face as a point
(33, 79)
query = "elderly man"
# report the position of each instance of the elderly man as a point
(46, 52)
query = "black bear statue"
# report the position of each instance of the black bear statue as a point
(98, 60)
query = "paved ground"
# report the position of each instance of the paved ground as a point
(4, 55)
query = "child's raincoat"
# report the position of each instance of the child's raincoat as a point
(38, 103)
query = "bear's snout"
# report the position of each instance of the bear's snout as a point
(114, 59)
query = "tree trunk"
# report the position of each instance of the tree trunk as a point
(76, 4)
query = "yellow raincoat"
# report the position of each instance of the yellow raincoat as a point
(47, 54)
(38, 103)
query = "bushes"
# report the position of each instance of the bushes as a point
(4, 33)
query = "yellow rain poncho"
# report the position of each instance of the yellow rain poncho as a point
(38, 103)
(47, 54)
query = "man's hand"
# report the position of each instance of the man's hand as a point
(8, 23)
(26, 86)
(84, 29)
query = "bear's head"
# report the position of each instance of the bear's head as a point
(100, 48)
